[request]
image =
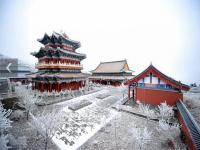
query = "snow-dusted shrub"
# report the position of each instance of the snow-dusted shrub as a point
(165, 111)
(27, 98)
(16, 115)
(170, 131)
(142, 137)
(5, 123)
(145, 110)
(48, 124)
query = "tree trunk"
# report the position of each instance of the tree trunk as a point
(46, 140)
(27, 114)
(46, 143)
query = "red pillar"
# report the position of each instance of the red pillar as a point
(47, 86)
(39, 86)
(42, 87)
(50, 87)
(129, 92)
(58, 87)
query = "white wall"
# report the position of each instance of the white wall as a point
(147, 80)
(154, 80)
(162, 82)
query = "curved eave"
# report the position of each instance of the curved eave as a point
(45, 40)
(48, 52)
(75, 44)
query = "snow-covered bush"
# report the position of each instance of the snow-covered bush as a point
(5, 123)
(48, 124)
(16, 115)
(145, 110)
(142, 137)
(165, 111)
(27, 98)
(170, 131)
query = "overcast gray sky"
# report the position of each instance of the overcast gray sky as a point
(164, 32)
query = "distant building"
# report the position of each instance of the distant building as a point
(4, 86)
(59, 65)
(111, 73)
(153, 87)
(14, 69)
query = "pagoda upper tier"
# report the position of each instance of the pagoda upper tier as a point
(60, 39)
(51, 52)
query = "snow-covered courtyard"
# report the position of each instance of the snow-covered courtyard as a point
(96, 120)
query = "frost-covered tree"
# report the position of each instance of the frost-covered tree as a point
(165, 111)
(5, 123)
(170, 131)
(27, 98)
(48, 124)
(142, 137)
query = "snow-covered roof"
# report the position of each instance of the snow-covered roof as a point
(47, 50)
(59, 38)
(112, 67)
(111, 77)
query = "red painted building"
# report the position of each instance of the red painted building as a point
(153, 87)
(59, 65)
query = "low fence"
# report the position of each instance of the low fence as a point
(190, 128)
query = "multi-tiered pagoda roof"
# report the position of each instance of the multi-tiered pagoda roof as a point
(58, 63)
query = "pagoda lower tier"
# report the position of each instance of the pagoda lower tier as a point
(57, 81)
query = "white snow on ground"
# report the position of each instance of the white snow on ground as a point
(85, 122)
(118, 134)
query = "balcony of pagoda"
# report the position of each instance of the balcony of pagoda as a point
(58, 66)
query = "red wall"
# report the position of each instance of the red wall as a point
(155, 97)
(185, 130)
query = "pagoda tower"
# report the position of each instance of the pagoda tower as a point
(59, 65)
